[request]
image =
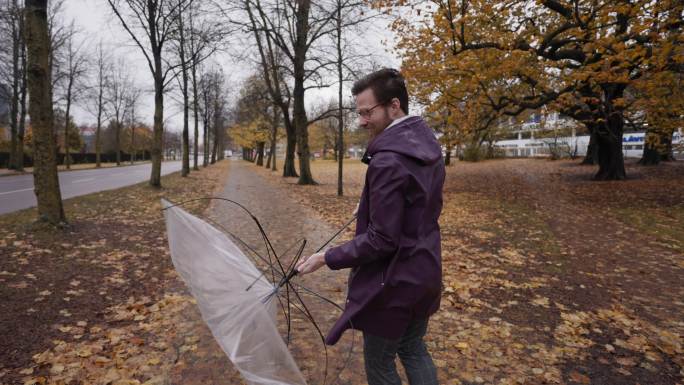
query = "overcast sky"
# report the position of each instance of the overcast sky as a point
(96, 22)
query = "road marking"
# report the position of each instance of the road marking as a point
(83, 180)
(16, 191)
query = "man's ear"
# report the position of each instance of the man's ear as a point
(396, 103)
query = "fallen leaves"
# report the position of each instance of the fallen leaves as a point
(510, 249)
(67, 287)
(512, 309)
(123, 355)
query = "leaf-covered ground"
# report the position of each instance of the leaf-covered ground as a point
(549, 277)
(98, 302)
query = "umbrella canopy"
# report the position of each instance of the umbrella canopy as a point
(235, 299)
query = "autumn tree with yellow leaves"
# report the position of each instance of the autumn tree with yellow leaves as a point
(485, 59)
(256, 121)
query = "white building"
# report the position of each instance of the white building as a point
(632, 145)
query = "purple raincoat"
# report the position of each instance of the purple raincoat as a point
(395, 256)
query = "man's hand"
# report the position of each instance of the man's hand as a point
(311, 264)
(356, 210)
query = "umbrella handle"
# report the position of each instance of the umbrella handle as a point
(294, 271)
(287, 278)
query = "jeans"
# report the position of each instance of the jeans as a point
(379, 354)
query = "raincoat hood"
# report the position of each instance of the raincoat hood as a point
(410, 137)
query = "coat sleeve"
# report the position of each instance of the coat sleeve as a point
(387, 179)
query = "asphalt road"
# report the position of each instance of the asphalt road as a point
(16, 192)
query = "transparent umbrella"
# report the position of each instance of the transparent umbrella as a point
(236, 299)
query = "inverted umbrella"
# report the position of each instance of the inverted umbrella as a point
(235, 298)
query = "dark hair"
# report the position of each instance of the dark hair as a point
(386, 84)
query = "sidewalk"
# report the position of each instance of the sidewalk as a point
(284, 221)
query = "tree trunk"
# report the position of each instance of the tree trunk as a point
(67, 157)
(447, 159)
(14, 102)
(274, 138)
(186, 101)
(299, 109)
(609, 139)
(117, 140)
(158, 135)
(195, 108)
(339, 152)
(45, 179)
(214, 150)
(273, 82)
(592, 156)
(289, 169)
(610, 159)
(260, 153)
(19, 152)
(216, 134)
(205, 161)
(133, 143)
(271, 152)
(221, 144)
(651, 155)
(98, 132)
(657, 147)
(158, 130)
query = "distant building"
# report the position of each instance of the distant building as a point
(632, 145)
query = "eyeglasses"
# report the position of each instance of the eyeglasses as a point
(366, 114)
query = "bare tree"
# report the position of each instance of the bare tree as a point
(205, 107)
(292, 32)
(11, 26)
(273, 76)
(131, 97)
(184, 64)
(275, 121)
(151, 24)
(45, 179)
(13, 73)
(97, 103)
(75, 67)
(118, 97)
(19, 152)
(193, 45)
(59, 33)
(214, 101)
(348, 14)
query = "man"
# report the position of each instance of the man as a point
(395, 257)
